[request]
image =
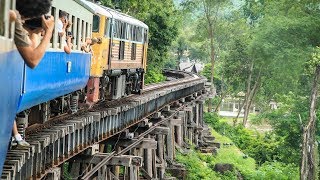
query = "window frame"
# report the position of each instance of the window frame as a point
(93, 24)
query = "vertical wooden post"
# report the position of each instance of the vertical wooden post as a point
(170, 143)
(179, 135)
(134, 173)
(160, 151)
(148, 161)
(117, 168)
(154, 164)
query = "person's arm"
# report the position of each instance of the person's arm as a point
(68, 46)
(32, 56)
(85, 48)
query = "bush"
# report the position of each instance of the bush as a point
(260, 147)
(154, 75)
(196, 168)
(276, 170)
(265, 149)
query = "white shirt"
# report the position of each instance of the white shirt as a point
(59, 29)
(59, 26)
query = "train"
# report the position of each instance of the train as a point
(62, 82)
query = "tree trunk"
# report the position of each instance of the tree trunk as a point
(210, 21)
(239, 111)
(246, 108)
(219, 104)
(212, 61)
(252, 94)
(254, 91)
(309, 163)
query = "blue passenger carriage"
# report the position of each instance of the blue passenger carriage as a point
(55, 86)
(11, 77)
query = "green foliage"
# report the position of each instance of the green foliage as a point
(200, 166)
(260, 147)
(314, 61)
(196, 168)
(217, 80)
(276, 171)
(154, 75)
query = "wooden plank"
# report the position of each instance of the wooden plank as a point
(145, 144)
(160, 130)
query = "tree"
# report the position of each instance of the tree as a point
(309, 162)
(209, 11)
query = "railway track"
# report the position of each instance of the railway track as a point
(62, 139)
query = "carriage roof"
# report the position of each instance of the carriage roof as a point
(102, 10)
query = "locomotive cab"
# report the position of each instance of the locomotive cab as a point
(119, 60)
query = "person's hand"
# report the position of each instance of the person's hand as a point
(65, 24)
(48, 24)
(31, 32)
(12, 16)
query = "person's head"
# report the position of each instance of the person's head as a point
(94, 41)
(29, 9)
(88, 40)
(63, 16)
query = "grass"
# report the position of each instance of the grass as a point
(233, 155)
(200, 166)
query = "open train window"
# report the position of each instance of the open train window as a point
(12, 24)
(87, 29)
(53, 13)
(145, 36)
(133, 51)
(139, 34)
(73, 30)
(121, 50)
(118, 29)
(83, 35)
(128, 32)
(2, 15)
(78, 33)
(107, 28)
(124, 31)
(96, 23)
(134, 33)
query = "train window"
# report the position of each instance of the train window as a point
(83, 32)
(139, 34)
(73, 29)
(120, 30)
(96, 23)
(134, 33)
(121, 50)
(2, 14)
(12, 4)
(87, 30)
(107, 28)
(53, 12)
(78, 32)
(11, 25)
(128, 32)
(116, 27)
(123, 31)
(145, 36)
(133, 51)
